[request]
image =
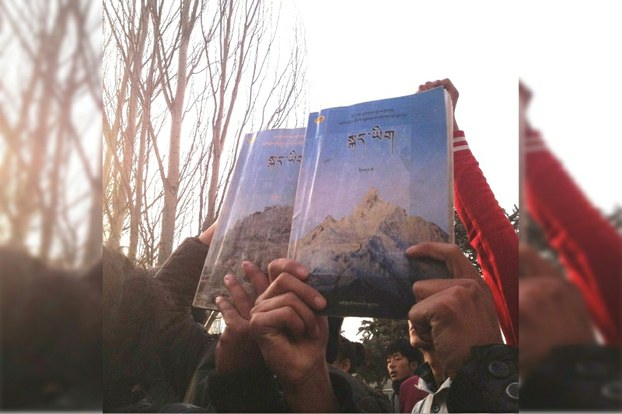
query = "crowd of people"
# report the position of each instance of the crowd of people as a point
(278, 353)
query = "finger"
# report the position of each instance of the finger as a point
(447, 84)
(254, 274)
(293, 302)
(278, 320)
(524, 92)
(229, 312)
(239, 297)
(459, 266)
(287, 283)
(208, 234)
(278, 266)
(465, 306)
(426, 288)
(531, 264)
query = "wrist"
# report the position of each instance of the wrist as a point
(314, 393)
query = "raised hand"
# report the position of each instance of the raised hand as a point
(453, 93)
(293, 337)
(451, 315)
(237, 350)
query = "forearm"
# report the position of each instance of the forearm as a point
(181, 272)
(314, 394)
(490, 233)
(185, 340)
(589, 248)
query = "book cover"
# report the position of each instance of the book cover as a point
(376, 178)
(255, 220)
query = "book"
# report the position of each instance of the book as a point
(255, 219)
(376, 178)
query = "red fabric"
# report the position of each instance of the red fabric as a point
(589, 247)
(410, 394)
(492, 236)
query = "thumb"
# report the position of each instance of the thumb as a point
(457, 263)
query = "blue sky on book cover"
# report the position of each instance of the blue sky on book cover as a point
(255, 220)
(263, 174)
(397, 145)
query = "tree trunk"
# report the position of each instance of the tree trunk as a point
(171, 184)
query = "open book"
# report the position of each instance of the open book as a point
(376, 178)
(255, 219)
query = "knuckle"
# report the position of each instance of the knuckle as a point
(275, 266)
(468, 290)
(454, 250)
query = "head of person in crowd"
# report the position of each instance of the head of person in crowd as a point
(350, 355)
(402, 360)
(51, 335)
(133, 305)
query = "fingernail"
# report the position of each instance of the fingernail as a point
(320, 302)
(302, 271)
(246, 265)
(411, 250)
(218, 300)
(228, 278)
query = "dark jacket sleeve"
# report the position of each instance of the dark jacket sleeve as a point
(488, 382)
(575, 378)
(354, 396)
(186, 341)
(251, 390)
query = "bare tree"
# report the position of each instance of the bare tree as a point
(201, 89)
(241, 61)
(175, 103)
(49, 106)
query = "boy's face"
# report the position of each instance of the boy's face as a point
(399, 367)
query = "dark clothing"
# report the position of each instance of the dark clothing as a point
(186, 341)
(258, 390)
(576, 378)
(488, 382)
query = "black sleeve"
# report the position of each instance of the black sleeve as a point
(488, 382)
(185, 340)
(251, 390)
(354, 396)
(576, 378)
(181, 272)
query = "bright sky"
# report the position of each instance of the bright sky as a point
(567, 53)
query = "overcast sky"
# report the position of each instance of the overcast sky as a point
(568, 53)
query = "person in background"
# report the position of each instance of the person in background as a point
(350, 355)
(402, 361)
